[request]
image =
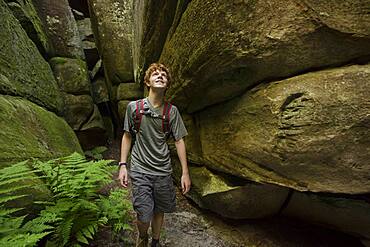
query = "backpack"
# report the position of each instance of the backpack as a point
(139, 112)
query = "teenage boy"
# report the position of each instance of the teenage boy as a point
(150, 171)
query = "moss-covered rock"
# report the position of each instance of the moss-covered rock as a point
(112, 27)
(61, 28)
(221, 49)
(350, 17)
(122, 106)
(153, 20)
(27, 130)
(27, 16)
(310, 132)
(100, 90)
(129, 91)
(71, 74)
(78, 110)
(244, 201)
(333, 211)
(23, 71)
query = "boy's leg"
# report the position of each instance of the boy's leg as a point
(157, 222)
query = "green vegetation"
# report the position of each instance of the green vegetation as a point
(74, 212)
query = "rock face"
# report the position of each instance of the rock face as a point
(112, 26)
(18, 75)
(27, 16)
(309, 132)
(250, 200)
(28, 130)
(241, 43)
(71, 75)
(152, 23)
(344, 214)
(61, 28)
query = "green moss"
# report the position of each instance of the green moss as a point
(27, 130)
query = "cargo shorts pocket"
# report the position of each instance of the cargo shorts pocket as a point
(164, 195)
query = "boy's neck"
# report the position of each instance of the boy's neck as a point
(156, 98)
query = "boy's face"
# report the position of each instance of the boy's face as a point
(158, 79)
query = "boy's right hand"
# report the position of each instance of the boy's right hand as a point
(123, 176)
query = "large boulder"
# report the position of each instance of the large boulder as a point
(28, 130)
(129, 91)
(350, 17)
(112, 27)
(71, 74)
(310, 132)
(61, 28)
(243, 201)
(88, 42)
(78, 110)
(26, 14)
(100, 91)
(350, 215)
(153, 22)
(23, 71)
(242, 43)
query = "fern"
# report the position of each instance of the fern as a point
(75, 211)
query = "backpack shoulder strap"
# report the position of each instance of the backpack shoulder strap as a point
(166, 117)
(139, 114)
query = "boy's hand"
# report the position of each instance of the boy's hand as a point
(185, 183)
(123, 176)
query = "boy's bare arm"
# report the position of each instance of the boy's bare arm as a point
(125, 149)
(185, 178)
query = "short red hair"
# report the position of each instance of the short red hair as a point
(157, 66)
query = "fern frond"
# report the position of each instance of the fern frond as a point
(10, 198)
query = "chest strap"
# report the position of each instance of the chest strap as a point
(165, 116)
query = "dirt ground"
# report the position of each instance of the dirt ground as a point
(191, 226)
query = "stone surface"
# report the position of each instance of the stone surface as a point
(235, 50)
(122, 106)
(27, 130)
(244, 201)
(78, 110)
(100, 90)
(71, 74)
(152, 22)
(88, 42)
(61, 28)
(350, 17)
(112, 27)
(344, 214)
(23, 71)
(92, 133)
(310, 132)
(129, 91)
(27, 16)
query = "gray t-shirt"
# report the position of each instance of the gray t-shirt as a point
(150, 153)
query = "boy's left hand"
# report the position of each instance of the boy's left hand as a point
(185, 183)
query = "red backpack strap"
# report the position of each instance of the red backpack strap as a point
(166, 117)
(139, 114)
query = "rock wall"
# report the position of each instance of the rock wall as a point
(30, 99)
(274, 95)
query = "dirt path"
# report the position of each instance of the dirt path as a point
(191, 226)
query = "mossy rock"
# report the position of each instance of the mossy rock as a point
(100, 90)
(153, 22)
(129, 91)
(28, 130)
(240, 44)
(23, 71)
(112, 26)
(71, 74)
(350, 215)
(310, 132)
(27, 16)
(61, 28)
(78, 110)
(237, 201)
